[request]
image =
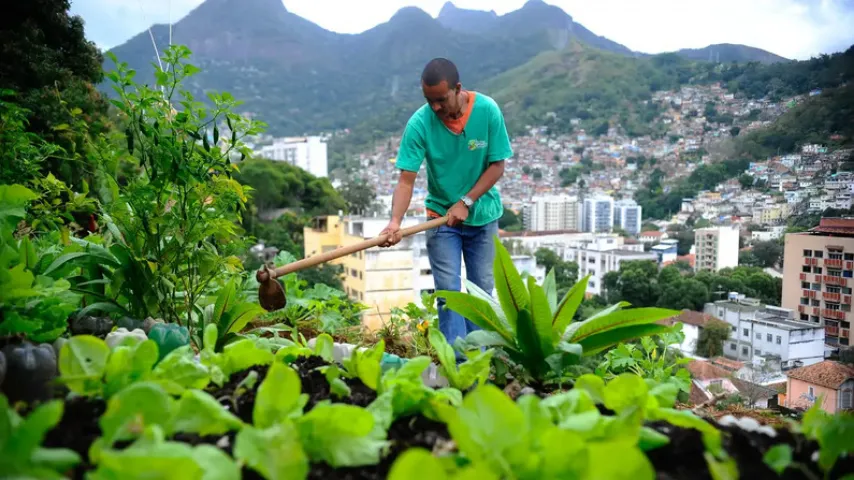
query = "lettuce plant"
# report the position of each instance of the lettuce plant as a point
(535, 330)
(463, 376)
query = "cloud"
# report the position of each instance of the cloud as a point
(791, 28)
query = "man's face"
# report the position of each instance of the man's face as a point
(443, 99)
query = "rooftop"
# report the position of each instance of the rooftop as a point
(631, 253)
(834, 226)
(691, 317)
(828, 374)
(701, 370)
(653, 234)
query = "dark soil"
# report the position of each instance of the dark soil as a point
(77, 430)
(683, 458)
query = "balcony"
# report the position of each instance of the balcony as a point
(831, 280)
(846, 299)
(802, 309)
(849, 265)
(803, 277)
(811, 261)
(816, 311)
(834, 314)
(833, 263)
(844, 333)
(831, 331)
(810, 294)
(819, 279)
(832, 297)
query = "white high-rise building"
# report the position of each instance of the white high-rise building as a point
(307, 153)
(716, 248)
(627, 215)
(550, 213)
(598, 214)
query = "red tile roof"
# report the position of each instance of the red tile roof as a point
(731, 365)
(653, 234)
(828, 374)
(706, 371)
(690, 317)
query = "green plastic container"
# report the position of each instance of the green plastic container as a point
(168, 337)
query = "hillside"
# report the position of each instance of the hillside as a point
(301, 78)
(591, 85)
(728, 53)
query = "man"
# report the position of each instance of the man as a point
(461, 134)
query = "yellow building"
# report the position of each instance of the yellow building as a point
(381, 278)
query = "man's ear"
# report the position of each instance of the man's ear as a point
(458, 88)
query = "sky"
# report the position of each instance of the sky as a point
(797, 29)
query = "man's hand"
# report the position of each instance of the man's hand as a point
(393, 229)
(457, 214)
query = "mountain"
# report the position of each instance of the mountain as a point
(728, 52)
(300, 78)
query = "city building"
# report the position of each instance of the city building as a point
(600, 255)
(818, 266)
(307, 153)
(692, 324)
(653, 236)
(768, 333)
(716, 248)
(627, 216)
(384, 278)
(832, 381)
(667, 251)
(598, 214)
(551, 213)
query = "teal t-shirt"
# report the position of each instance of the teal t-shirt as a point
(456, 162)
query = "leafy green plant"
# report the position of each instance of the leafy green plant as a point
(463, 376)
(231, 313)
(33, 302)
(173, 228)
(535, 330)
(649, 361)
(830, 431)
(21, 453)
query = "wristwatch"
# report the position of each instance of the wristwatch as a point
(467, 201)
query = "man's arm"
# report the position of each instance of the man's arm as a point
(402, 195)
(490, 177)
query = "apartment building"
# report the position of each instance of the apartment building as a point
(773, 334)
(627, 216)
(817, 277)
(552, 213)
(307, 153)
(716, 248)
(600, 255)
(598, 214)
(384, 278)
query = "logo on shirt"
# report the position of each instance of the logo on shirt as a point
(475, 144)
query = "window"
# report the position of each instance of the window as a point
(806, 269)
(769, 338)
(846, 400)
(816, 287)
(806, 285)
(758, 336)
(746, 332)
(804, 317)
(812, 392)
(591, 260)
(426, 271)
(816, 270)
(805, 301)
(807, 253)
(834, 273)
(847, 273)
(819, 254)
(834, 256)
(779, 340)
(849, 256)
(744, 351)
(816, 303)
(733, 328)
(833, 289)
(732, 346)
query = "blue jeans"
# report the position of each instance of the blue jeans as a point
(446, 247)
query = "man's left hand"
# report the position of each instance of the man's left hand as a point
(457, 214)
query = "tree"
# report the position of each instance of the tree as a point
(745, 180)
(566, 273)
(768, 253)
(360, 196)
(712, 337)
(734, 131)
(649, 227)
(635, 282)
(509, 221)
(51, 68)
(683, 294)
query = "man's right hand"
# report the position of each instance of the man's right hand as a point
(393, 231)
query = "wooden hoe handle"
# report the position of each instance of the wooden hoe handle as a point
(347, 250)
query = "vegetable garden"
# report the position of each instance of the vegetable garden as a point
(135, 347)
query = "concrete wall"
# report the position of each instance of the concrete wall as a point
(798, 395)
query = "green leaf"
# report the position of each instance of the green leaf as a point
(366, 364)
(508, 283)
(198, 412)
(476, 310)
(131, 410)
(155, 460)
(340, 435)
(485, 338)
(278, 397)
(632, 463)
(651, 439)
(417, 463)
(778, 457)
(596, 343)
(569, 305)
(27, 252)
(541, 314)
(89, 257)
(276, 453)
(721, 469)
(550, 287)
(127, 365)
(619, 319)
(324, 347)
(529, 343)
(243, 354)
(22, 439)
(216, 463)
(179, 368)
(82, 363)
